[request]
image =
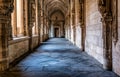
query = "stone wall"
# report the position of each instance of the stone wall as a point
(17, 48)
(116, 47)
(78, 37)
(34, 42)
(20, 46)
(93, 40)
(77, 24)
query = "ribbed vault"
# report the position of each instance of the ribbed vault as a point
(56, 5)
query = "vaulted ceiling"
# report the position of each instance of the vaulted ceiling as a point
(56, 5)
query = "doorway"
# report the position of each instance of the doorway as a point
(56, 32)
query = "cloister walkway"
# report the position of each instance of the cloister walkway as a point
(58, 57)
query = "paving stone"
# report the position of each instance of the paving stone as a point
(58, 57)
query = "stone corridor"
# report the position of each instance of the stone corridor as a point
(58, 57)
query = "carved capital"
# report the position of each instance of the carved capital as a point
(6, 7)
(107, 17)
(81, 1)
(81, 13)
(82, 25)
(102, 6)
(105, 10)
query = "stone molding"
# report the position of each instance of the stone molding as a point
(16, 40)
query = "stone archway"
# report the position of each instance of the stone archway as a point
(57, 23)
(56, 32)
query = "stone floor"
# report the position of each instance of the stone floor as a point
(58, 58)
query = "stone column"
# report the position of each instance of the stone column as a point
(36, 10)
(20, 18)
(107, 35)
(82, 37)
(62, 29)
(104, 6)
(43, 14)
(39, 21)
(82, 25)
(43, 27)
(47, 27)
(31, 19)
(14, 20)
(52, 29)
(26, 18)
(73, 18)
(41, 18)
(69, 27)
(70, 18)
(5, 19)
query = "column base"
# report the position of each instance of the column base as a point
(107, 67)
(4, 65)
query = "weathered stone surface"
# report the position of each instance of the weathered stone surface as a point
(94, 40)
(34, 42)
(116, 47)
(6, 8)
(17, 48)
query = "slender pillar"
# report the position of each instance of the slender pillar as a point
(39, 21)
(5, 19)
(82, 25)
(107, 33)
(14, 20)
(20, 26)
(104, 6)
(31, 19)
